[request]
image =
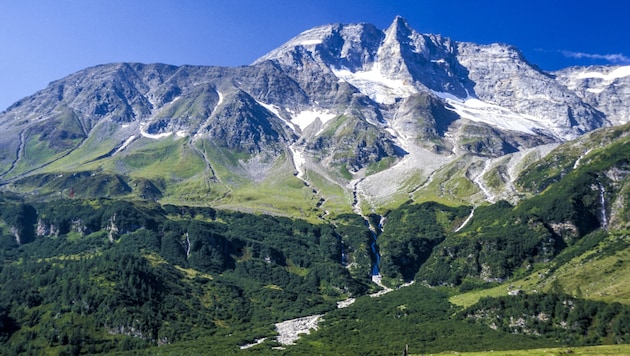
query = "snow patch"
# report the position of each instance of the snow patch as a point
(480, 111)
(218, 102)
(144, 133)
(126, 143)
(620, 72)
(304, 118)
(595, 91)
(276, 111)
(603, 80)
(301, 119)
(309, 42)
(298, 157)
(298, 162)
(377, 86)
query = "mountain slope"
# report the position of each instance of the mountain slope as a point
(341, 107)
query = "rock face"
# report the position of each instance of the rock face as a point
(503, 77)
(344, 101)
(605, 88)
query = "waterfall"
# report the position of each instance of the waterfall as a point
(375, 254)
(374, 232)
(188, 245)
(602, 203)
(472, 213)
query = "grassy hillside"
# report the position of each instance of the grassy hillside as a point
(126, 273)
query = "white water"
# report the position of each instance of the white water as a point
(188, 246)
(356, 207)
(577, 161)
(478, 180)
(344, 255)
(472, 212)
(602, 202)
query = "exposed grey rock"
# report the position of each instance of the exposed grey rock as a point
(606, 88)
(289, 331)
(336, 98)
(502, 76)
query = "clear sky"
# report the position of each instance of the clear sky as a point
(45, 40)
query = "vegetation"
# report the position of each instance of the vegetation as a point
(416, 316)
(129, 275)
(85, 275)
(412, 232)
(555, 316)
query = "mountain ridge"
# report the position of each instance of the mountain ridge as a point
(341, 102)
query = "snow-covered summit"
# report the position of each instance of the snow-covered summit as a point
(398, 62)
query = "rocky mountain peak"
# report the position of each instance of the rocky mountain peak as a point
(399, 29)
(350, 102)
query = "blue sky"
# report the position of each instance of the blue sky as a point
(45, 40)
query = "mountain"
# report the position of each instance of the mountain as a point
(341, 107)
(449, 195)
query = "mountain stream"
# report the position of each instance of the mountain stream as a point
(602, 202)
(374, 232)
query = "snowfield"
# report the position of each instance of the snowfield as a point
(376, 86)
(477, 110)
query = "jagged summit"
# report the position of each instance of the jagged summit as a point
(400, 21)
(398, 62)
(339, 106)
(396, 53)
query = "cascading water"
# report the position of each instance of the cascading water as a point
(376, 256)
(602, 202)
(374, 232)
(374, 247)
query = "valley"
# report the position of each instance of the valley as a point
(380, 188)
